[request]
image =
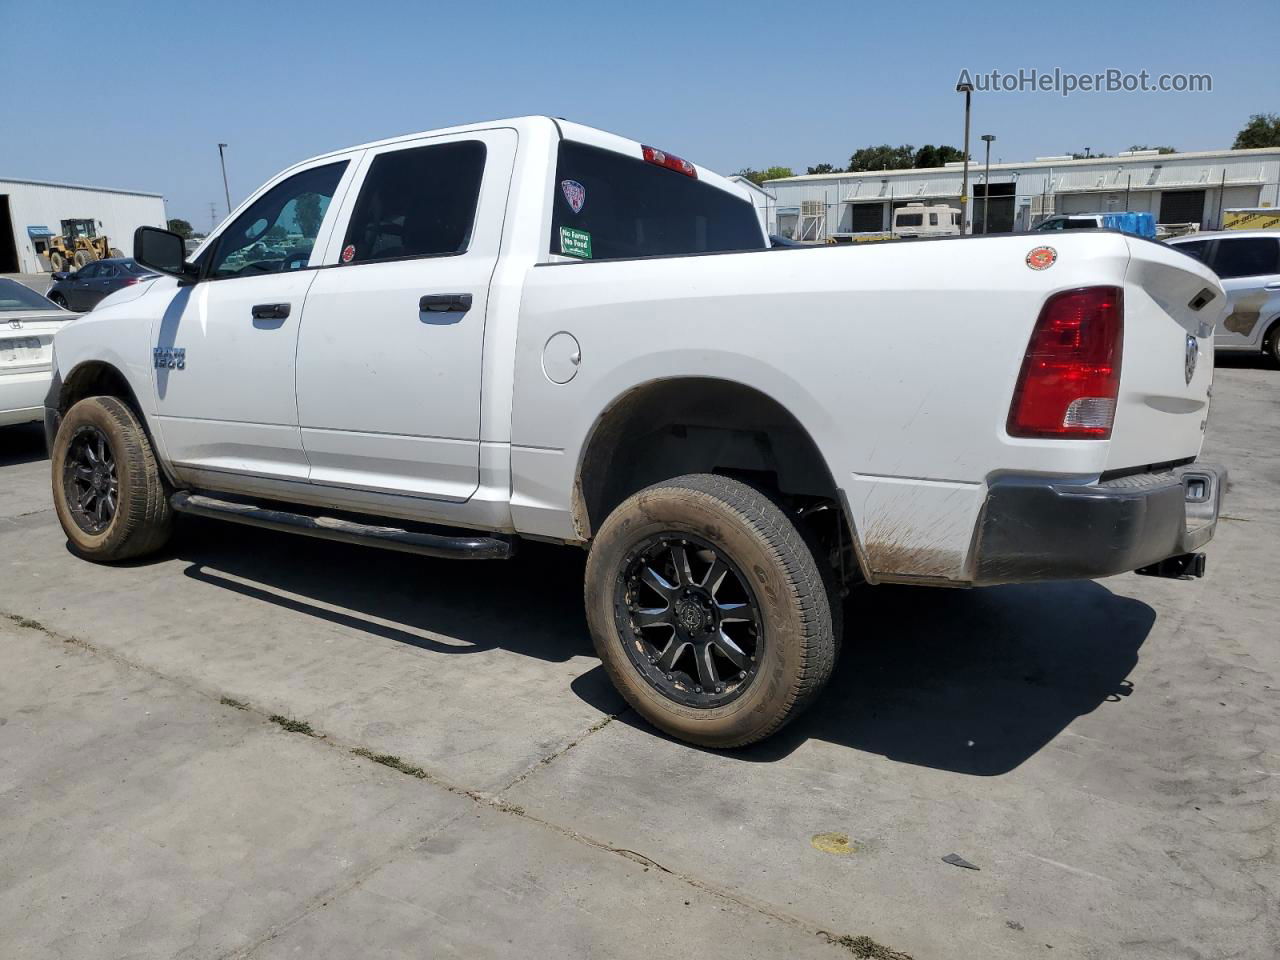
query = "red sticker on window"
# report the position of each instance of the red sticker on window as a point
(348, 254)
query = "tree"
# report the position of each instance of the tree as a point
(769, 173)
(307, 214)
(883, 157)
(821, 168)
(277, 232)
(931, 156)
(1088, 155)
(1161, 149)
(181, 227)
(1262, 130)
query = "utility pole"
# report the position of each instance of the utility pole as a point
(967, 90)
(227, 190)
(213, 215)
(986, 182)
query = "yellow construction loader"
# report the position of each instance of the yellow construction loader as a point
(78, 245)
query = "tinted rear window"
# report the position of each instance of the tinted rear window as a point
(626, 207)
(417, 202)
(1246, 257)
(14, 296)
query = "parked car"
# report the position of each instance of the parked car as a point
(530, 329)
(28, 322)
(1140, 224)
(83, 289)
(1248, 264)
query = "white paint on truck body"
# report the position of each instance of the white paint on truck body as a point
(899, 360)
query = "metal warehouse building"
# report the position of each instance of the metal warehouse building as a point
(1175, 187)
(32, 211)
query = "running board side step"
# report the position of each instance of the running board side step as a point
(469, 547)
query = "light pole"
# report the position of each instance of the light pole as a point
(986, 181)
(967, 90)
(225, 189)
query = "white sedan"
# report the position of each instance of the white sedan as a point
(27, 324)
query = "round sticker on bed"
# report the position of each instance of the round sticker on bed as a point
(1041, 258)
(348, 253)
(575, 193)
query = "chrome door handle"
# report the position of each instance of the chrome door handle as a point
(445, 303)
(270, 311)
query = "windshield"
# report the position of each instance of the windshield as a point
(14, 296)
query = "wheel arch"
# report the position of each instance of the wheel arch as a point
(95, 378)
(698, 424)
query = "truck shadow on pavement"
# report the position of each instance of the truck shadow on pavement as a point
(971, 681)
(21, 444)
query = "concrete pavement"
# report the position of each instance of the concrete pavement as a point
(1106, 753)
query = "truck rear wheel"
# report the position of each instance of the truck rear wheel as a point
(107, 489)
(709, 611)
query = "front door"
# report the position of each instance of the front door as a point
(225, 347)
(389, 359)
(81, 294)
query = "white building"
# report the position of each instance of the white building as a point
(31, 211)
(1175, 187)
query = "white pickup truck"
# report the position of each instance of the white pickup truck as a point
(447, 342)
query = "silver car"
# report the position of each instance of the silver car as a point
(1248, 263)
(27, 324)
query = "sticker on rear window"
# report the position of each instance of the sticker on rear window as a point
(349, 253)
(575, 243)
(575, 193)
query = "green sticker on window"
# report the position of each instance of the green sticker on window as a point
(575, 243)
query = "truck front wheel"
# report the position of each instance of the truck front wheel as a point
(107, 489)
(709, 611)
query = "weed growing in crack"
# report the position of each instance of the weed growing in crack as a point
(293, 726)
(395, 763)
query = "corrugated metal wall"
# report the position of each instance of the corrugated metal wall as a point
(1228, 179)
(47, 205)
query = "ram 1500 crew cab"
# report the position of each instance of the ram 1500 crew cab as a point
(445, 343)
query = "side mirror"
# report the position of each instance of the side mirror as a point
(61, 275)
(162, 251)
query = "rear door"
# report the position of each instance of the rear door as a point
(389, 359)
(1250, 271)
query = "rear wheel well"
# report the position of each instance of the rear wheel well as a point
(672, 428)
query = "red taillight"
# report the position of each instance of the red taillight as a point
(1071, 373)
(670, 161)
(130, 281)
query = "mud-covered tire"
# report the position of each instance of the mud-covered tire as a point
(142, 521)
(791, 596)
(116, 253)
(57, 262)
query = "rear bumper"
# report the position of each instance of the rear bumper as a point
(1046, 528)
(22, 396)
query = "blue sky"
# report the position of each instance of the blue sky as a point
(138, 95)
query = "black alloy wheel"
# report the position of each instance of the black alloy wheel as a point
(690, 621)
(90, 480)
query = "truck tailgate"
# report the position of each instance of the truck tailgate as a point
(1172, 303)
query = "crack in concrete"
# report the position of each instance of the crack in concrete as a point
(493, 801)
